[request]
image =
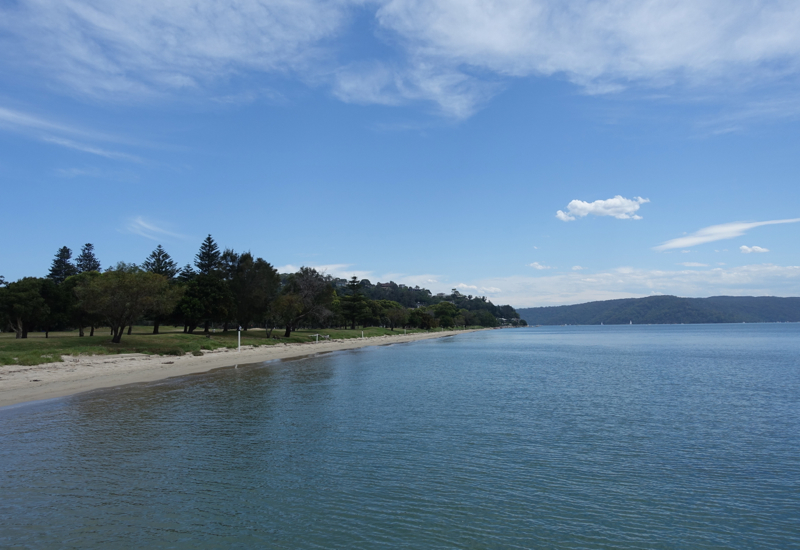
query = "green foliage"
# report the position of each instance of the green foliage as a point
(22, 305)
(206, 299)
(121, 297)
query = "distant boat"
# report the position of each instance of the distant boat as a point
(630, 322)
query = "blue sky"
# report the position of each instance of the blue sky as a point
(539, 153)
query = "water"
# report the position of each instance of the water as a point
(567, 437)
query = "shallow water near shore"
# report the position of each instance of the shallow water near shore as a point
(572, 437)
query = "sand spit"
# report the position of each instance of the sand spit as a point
(21, 383)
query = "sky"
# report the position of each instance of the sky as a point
(535, 152)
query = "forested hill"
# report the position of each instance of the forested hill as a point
(669, 310)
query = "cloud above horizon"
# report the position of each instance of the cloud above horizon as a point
(618, 207)
(625, 282)
(717, 233)
(454, 54)
(753, 249)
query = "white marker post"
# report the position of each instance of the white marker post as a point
(240, 338)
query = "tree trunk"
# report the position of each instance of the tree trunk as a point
(130, 328)
(91, 332)
(80, 332)
(185, 328)
(47, 333)
(118, 336)
(288, 331)
(24, 331)
(205, 330)
(155, 327)
(225, 326)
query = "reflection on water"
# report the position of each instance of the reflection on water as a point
(575, 437)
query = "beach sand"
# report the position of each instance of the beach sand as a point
(21, 383)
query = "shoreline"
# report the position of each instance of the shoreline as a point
(28, 383)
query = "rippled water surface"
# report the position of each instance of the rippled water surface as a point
(568, 437)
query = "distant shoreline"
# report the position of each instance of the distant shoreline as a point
(22, 383)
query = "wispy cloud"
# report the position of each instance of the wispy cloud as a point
(454, 54)
(140, 226)
(115, 155)
(717, 233)
(693, 264)
(577, 268)
(537, 265)
(48, 131)
(753, 249)
(618, 207)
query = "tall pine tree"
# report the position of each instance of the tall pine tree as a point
(186, 274)
(161, 263)
(62, 267)
(87, 261)
(207, 259)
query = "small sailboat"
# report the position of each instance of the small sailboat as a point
(630, 322)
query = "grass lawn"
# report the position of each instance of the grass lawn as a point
(37, 349)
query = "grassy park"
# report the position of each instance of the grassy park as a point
(37, 349)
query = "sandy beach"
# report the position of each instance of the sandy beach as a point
(21, 383)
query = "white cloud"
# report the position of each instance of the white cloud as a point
(718, 233)
(573, 288)
(141, 48)
(618, 207)
(453, 53)
(692, 264)
(751, 249)
(604, 46)
(537, 265)
(482, 290)
(577, 268)
(140, 226)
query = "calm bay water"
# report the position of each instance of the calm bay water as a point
(567, 437)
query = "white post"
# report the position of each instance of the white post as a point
(317, 338)
(240, 338)
(362, 333)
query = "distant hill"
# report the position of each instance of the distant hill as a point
(668, 310)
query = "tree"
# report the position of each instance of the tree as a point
(207, 260)
(22, 305)
(77, 315)
(186, 274)
(254, 285)
(308, 297)
(160, 263)
(354, 303)
(86, 260)
(207, 298)
(62, 267)
(396, 314)
(121, 297)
